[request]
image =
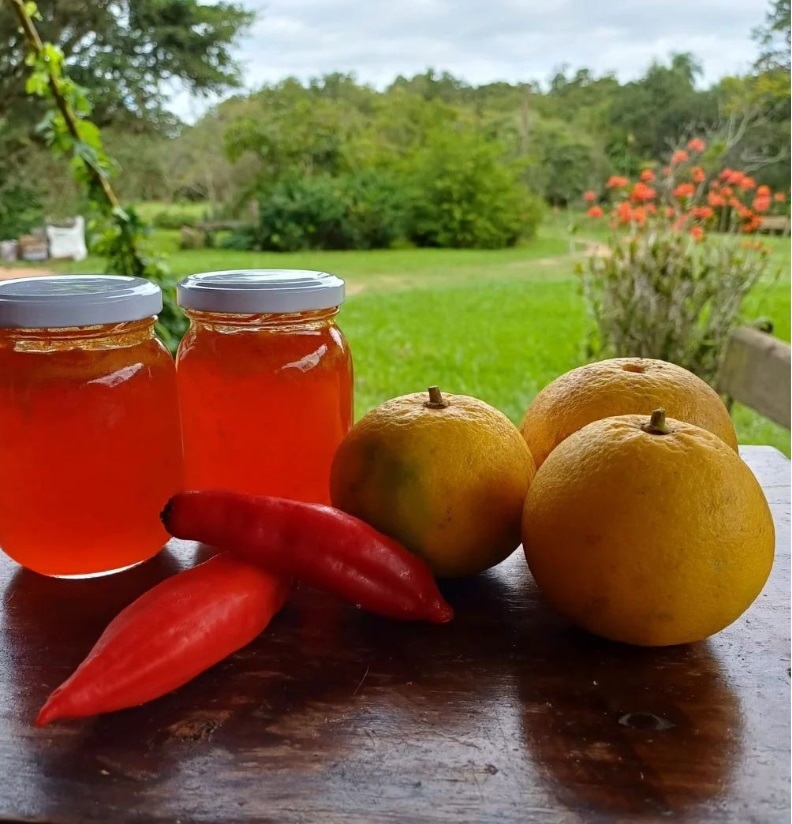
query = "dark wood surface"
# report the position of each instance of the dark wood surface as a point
(335, 716)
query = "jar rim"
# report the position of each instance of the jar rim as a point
(75, 301)
(260, 291)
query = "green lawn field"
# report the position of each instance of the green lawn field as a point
(495, 324)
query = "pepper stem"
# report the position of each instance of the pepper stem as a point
(657, 425)
(436, 399)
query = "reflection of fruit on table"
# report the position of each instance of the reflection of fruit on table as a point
(506, 714)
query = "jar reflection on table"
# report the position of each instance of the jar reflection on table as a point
(265, 388)
(90, 441)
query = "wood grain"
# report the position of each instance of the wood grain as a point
(335, 716)
(756, 371)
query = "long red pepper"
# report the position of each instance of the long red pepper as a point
(173, 632)
(320, 545)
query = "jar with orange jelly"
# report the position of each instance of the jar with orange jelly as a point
(90, 443)
(265, 381)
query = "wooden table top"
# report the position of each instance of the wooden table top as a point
(507, 714)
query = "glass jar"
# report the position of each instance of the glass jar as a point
(90, 443)
(265, 381)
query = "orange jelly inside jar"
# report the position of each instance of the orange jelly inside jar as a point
(265, 382)
(90, 442)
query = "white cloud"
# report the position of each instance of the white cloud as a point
(512, 40)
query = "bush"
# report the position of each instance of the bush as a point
(174, 219)
(564, 163)
(243, 239)
(358, 211)
(377, 206)
(456, 191)
(20, 211)
(464, 193)
(669, 285)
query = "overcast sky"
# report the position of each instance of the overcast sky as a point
(486, 40)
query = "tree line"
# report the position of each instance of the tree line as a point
(431, 158)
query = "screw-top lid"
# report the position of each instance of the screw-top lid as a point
(254, 291)
(65, 301)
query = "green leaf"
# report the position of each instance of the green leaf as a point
(44, 126)
(53, 56)
(31, 9)
(87, 153)
(89, 134)
(37, 84)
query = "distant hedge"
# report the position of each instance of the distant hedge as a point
(456, 191)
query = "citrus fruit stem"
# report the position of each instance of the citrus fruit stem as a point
(436, 399)
(657, 424)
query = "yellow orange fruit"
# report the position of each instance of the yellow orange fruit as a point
(647, 536)
(446, 475)
(621, 386)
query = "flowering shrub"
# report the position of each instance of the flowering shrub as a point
(682, 255)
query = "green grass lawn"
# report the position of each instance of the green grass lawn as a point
(495, 324)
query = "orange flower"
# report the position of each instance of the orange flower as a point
(670, 212)
(725, 174)
(647, 176)
(727, 191)
(748, 183)
(616, 182)
(696, 145)
(715, 200)
(639, 215)
(735, 178)
(595, 211)
(651, 209)
(761, 204)
(698, 174)
(714, 184)
(624, 212)
(679, 156)
(641, 193)
(744, 212)
(702, 212)
(763, 191)
(590, 196)
(779, 197)
(684, 190)
(697, 233)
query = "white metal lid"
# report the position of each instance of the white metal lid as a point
(63, 301)
(254, 291)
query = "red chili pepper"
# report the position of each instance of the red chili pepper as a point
(320, 545)
(170, 634)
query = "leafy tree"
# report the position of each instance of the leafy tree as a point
(466, 194)
(121, 237)
(773, 38)
(433, 86)
(123, 52)
(658, 111)
(563, 161)
(291, 128)
(754, 132)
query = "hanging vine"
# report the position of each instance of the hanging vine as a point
(121, 237)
